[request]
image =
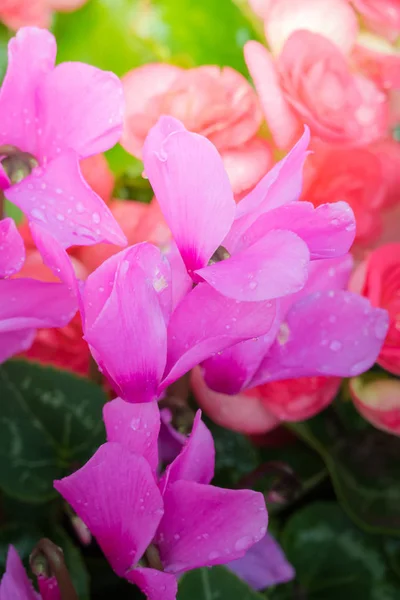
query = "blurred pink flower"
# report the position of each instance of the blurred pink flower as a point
(381, 16)
(217, 103)
(19, 13)
(379, 60)
(378, 400)
(311, 82)
(378, 278)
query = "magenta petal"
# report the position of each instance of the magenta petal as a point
(205, 322)
(14, 342)
(49, 589)
(282, 185)
(116, 497)
(126, 329)
(12, 249)
(57, 198)
(15, 584)
(328, 230)
(196, 459)
(88, 126)
(275, 266)
(263, 565)
(192, 188)
(328, 333)
(29, 303)
(204, 525)
(155, 584)
(135, 427)
(31, 55)
(4, 179)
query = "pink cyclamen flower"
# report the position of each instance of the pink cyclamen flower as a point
(382, 16)
(154, 529)
(378, 401)
(26, 304)
(15, 584)
(217, 103)
(19, 13)
(256, 250)
(322, 331)
(311, 82)
(55, 116)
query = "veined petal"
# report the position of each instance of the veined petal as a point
(204, 525)
(328, 230)
(135, 427)
(274, 266)
(15, 584)
(192, 188)
(116, 497)
(344, 335)
(57, 198)
(89, 125)
(154, 584)
(31, 55)
(205, 322)
(196, 459)
(263, 565)
(127, 331)
(12, 249)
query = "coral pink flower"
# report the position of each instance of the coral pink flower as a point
(18, 13)
(217, 103)
(47, 132)
(378, 278)
(311, 82)
(378, 400)
(356, 175)
(99, 176)
(15, 584)
(382, 16)
(378, 60)
(283, 17)
(152, 530)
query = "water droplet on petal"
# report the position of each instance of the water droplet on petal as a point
(80, 208)
(96, 218)
(381, 329)
(60, 217)
(335, 346)
(253, 285)
(177, 536)
(243, 543)
(37, 214)
(213, 555)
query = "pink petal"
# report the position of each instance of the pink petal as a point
(329, 274)
(181, 281)
(126, 329)
(31, 56)
(281, 186)
(287, 16)
(204, 525)
(281, 119)
(90, 126)
(274, 266)
(28, 303)
(15, 584)
(192, 188)
(12, 249)
(15, 342)
(116, 496)
(328, 230)
(263, 565)
(344, 335)
(140, 86)
(247, 164)
(49, 589)
(378, 401)
(135, 427)
(4, 179)
(196, 459)
(261, 7)
(244, 412)
(154, 584)
(57, 198)
(205, 322)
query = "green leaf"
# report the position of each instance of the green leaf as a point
(333, 559)
(75, 563)
(214, 584)
(119, 35)
(363, 463)
(50, 423)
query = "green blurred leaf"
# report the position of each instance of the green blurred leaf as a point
(5, 35)
(119, 35)
(214, 584)
(75, 563)
(333, 559)
(13, 211)
(363, 463)
(50, 423)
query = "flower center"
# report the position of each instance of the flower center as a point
(220, 254)
(151, 558)
(17, 164)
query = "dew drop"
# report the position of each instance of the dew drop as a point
(60, 217)
(381, 330)
(253, 285)
(80, 208)
(96, 218)
(37, 214)
(59, 191)
(243, 543)
(213, 555)
(177, 536)
(135, 424)
(335, 346)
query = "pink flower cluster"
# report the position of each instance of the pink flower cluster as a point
(17, 13)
